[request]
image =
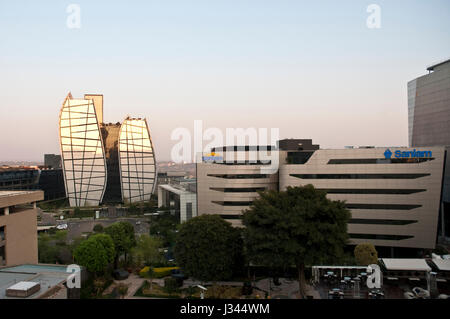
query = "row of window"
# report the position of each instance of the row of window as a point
(239, 190)
(349, 206)
(380, 237)
(351, 221)
(379, 160)
(240, 176)
(360, 176)
(385, 191)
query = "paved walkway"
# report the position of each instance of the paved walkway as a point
(134, 282)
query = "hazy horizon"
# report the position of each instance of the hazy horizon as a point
(313, 70)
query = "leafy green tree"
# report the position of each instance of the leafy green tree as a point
(366, 254)
(165, 227)
(122, 234)
(98, 228)
(95, 253)
(207, 248)
(299, 226)
(147, 253)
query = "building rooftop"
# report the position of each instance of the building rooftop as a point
(408, 264)
(11, 198)
(431, 67)
(48, 276)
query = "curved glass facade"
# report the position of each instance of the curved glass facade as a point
(137, 161)
(83, 158)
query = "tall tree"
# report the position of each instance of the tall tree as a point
(122, 234)
(95, 253)
(366, 254)
(207, 248)
(299, 226)
(147, 252)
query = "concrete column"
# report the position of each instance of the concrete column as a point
(6, 210)
(34, 205)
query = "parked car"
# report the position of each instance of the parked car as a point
(120, 274)
(178, 274)
(61, 226)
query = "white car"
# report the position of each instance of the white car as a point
(61, 226)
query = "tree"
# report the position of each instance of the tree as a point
(299, 226)
(122, 234)
(98, 228)
(207, 248)
(164, 226)
(147, 252)
(95, 253)
(366, 254)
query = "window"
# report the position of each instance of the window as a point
(188, 211)
(2, 256)
(381, 221)
(246, 203)
(231, 216)
(382, 206)
(371, 191)
(2, 233)
(380, 237)
(239, 190)
(359, 176)
(379, 160)
(239, 176)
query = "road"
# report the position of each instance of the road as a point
(76, 228)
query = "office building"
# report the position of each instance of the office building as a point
(104, 163)
(82, 152)
(180, 198)
(19, 177)
(429, 107)
(394, 194)
(18, 227)
(429, 123)
(52, 161)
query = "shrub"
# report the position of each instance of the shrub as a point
(162, 272)
(171, 285)
(98, 228)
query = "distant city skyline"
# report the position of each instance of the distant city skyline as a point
(313, 70)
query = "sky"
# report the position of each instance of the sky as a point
(313, 69)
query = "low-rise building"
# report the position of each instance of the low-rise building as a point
(18, 227)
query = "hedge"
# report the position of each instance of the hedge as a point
(159, 272)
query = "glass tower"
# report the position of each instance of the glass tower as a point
(83, 158)
(137, 161)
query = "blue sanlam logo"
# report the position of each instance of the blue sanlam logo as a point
(387, 154)
(407, 154)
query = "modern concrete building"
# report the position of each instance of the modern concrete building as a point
(137, 161)
(104, 163)
(18, 227)
(180, 198)
(429, 107)
(52, 161)
(393, 193)
(429, 123)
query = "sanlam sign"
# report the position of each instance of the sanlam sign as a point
(407, 154)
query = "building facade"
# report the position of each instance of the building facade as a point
(82, 152)
(394, 194)
(104, 163)
(429, 107)
(136, 161)
(18, 227)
